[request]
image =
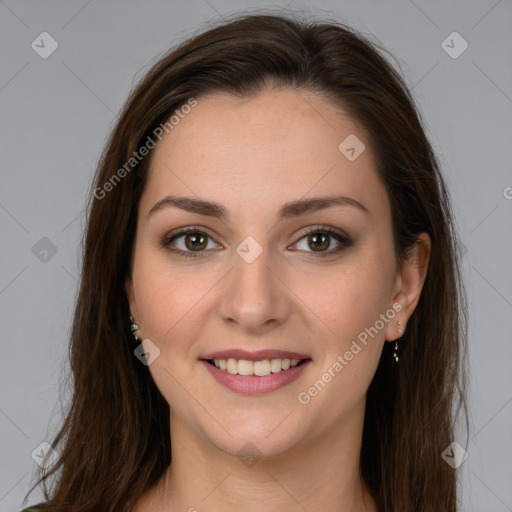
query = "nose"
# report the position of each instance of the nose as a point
(255, 296)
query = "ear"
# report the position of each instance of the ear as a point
(409, 283)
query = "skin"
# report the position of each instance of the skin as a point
(252, 156)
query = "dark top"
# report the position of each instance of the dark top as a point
(35, 508)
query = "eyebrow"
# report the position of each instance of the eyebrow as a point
(287, 211)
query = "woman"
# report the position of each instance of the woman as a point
(270, 314)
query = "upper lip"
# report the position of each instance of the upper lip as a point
(257, 355)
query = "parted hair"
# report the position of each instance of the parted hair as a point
(114, 441)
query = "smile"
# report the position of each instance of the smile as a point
(255, 377)
(260, 368)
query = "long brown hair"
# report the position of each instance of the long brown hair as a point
(114, 442)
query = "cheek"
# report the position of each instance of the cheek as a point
(352, 297)
(350, 302)
(162, 297)
(351, 336)
(170, 300)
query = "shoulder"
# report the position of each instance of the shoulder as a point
(35, 508)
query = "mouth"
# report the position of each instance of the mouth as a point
(255, 373)
(259, 368)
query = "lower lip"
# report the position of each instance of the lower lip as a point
(254, 385)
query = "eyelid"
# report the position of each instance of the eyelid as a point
(179, 232)
(341, 237)
(344, 241)
(323, 228)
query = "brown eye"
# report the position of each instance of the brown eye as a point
(319, 239)
(195, 240)
(190, 242)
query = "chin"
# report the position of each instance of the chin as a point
(268, 437)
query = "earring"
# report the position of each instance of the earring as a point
(400, 332)
(134, 327)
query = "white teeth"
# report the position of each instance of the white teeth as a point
(245, 367)
(232, 366)
(260, 368)
(275, 365)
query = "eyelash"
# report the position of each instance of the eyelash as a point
(339, 236)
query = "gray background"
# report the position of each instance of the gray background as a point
(56, 114)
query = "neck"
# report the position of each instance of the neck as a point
(320, 474)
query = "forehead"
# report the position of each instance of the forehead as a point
(277, 146)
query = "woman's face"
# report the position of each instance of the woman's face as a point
(257, 282)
